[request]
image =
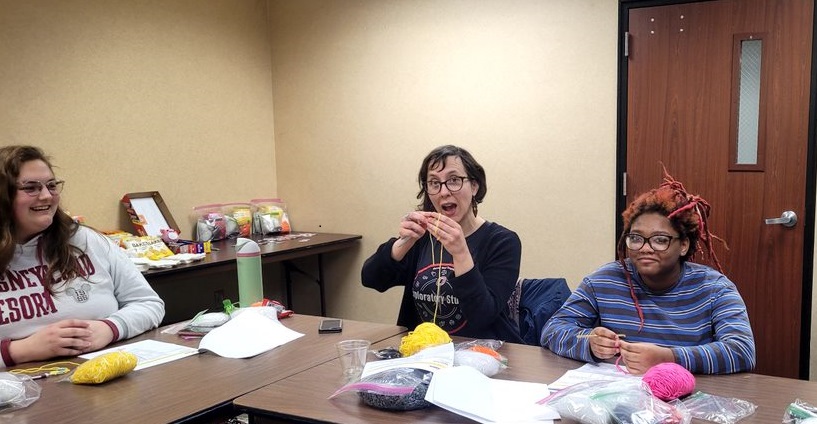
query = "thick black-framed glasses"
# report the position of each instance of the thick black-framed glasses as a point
(453, 184)
(658, 242)
(34, 188)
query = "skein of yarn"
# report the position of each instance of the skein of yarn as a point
(425, 335)
(669, 381)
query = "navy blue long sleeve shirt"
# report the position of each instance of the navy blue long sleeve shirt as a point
(474, 304)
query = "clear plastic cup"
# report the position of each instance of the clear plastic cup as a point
(352, 355)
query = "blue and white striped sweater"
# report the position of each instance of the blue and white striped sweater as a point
(702, 318)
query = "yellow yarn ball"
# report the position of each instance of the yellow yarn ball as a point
(104, 367)
(425, 335)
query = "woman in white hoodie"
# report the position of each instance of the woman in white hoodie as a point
(65, 289)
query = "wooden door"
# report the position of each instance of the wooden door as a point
(683, 75)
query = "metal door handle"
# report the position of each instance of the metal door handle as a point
(787, 219)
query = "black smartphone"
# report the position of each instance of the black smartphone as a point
(330, 325)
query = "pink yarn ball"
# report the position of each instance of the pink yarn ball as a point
(669, 381)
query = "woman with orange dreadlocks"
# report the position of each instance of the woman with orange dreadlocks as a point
(652, 305)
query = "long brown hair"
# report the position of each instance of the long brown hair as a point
(59, 255)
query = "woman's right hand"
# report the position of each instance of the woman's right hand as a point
(68, 337)
(412, 227)
(604, 343)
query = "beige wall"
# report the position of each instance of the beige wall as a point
(364, 89)
(132, 96)
(177, 96)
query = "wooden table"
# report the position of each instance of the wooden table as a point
(303, 397)
(195, 388)
(223, 259)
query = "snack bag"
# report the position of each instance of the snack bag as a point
(269, 217)
(238, 217)
(210, 223)
(150, 247)
(118, 236)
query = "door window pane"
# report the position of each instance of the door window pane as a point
(749, 102)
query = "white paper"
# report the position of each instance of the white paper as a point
(590, 372)
(247, 334)
(147, 210)
(467, 392)
(429, 359)
(149, 352)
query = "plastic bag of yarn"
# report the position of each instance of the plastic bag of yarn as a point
(17, 391)
(269, 216)
(487, 346)
(396, 389)
(800, 412)
(718, 409)
(238, 219)
(486, 364)
(104, 368)
(479, 344)
(210, 223)
(626, 401)
(480, 355)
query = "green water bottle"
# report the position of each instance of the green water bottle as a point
(248, 262)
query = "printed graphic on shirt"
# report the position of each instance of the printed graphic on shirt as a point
(23, 296)
(426, 297)
(81, 294)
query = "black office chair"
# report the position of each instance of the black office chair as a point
(533, 302)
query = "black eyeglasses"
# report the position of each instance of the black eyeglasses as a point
(453, 184)
(658, 242)
(34, 188)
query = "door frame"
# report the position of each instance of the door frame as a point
(811, 174)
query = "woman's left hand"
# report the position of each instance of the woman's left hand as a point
(101, 335)
(447, 231)
(450, 234)
(639, 357)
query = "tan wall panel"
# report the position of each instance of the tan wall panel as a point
(364, 89)
(131, 96)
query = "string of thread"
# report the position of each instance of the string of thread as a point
(669, 381)
(54, 368)
(427, 333)
(439, 268)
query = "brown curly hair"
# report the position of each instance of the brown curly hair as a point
(688, 214)
(436, 159)
(60, 256)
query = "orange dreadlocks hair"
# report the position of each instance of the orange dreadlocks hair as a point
(688, 214)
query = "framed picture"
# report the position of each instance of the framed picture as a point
(148, 213)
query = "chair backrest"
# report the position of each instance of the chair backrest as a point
(533, 303)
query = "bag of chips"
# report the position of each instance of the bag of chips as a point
(150, 247)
